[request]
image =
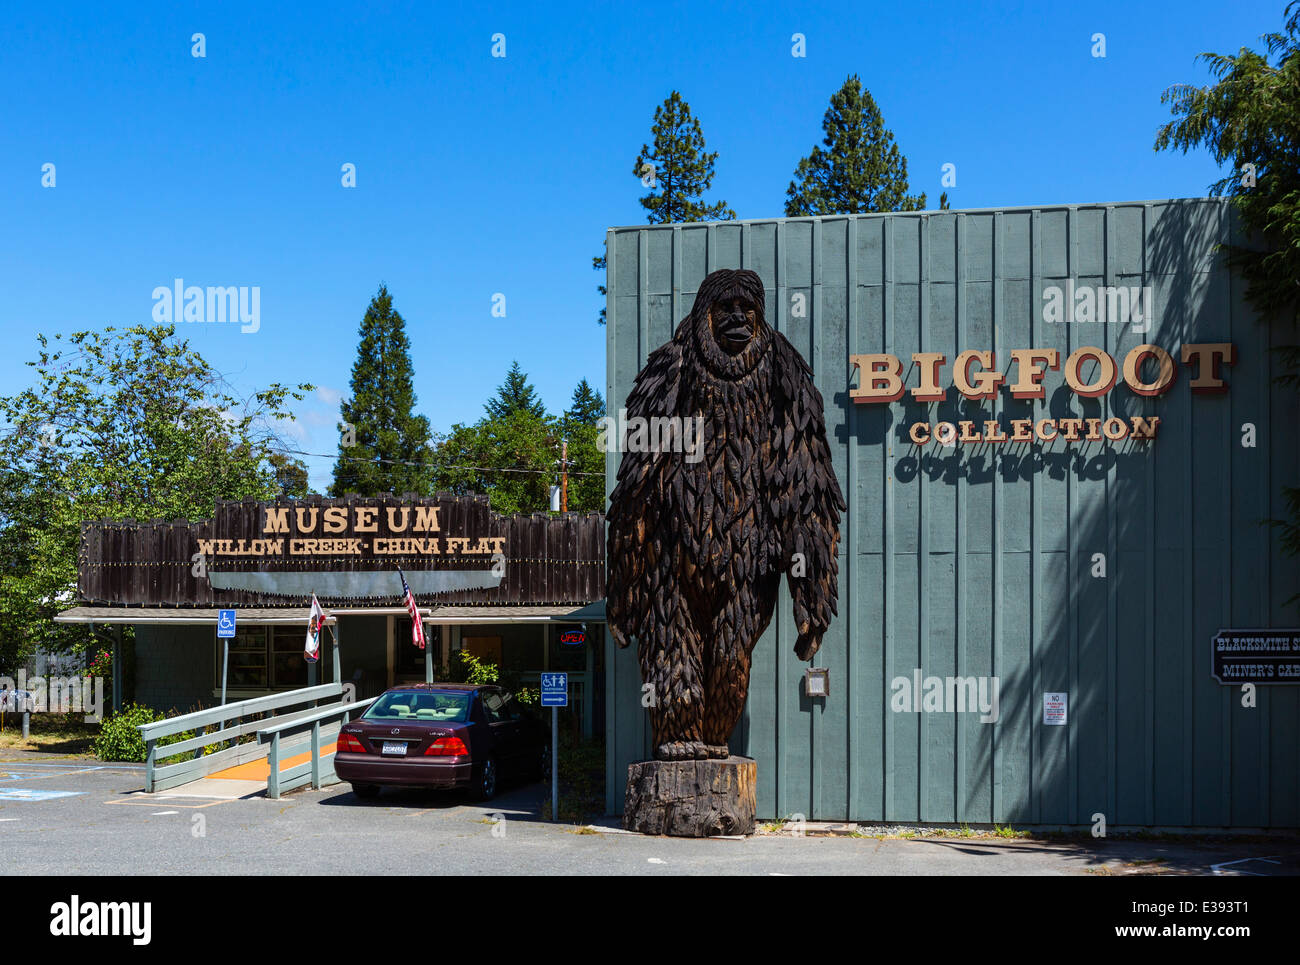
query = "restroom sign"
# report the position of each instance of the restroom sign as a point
(555, 689)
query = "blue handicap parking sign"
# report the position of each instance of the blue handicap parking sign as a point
(225, 623)
(555, 689)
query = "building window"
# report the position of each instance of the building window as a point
(265, 658)
(288, 660)
(248, 665)
(408, 659)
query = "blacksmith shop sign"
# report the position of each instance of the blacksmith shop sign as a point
(1256, 657)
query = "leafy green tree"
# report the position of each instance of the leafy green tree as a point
(383, 444)
(511, 458)
(580, 424)
(860, 170)
(515, 394)
(1249, 120)
(586, 469)
(513, 454)
(677, 170)
(290, 476)
(129, 424)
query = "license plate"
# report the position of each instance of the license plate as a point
(394, 747)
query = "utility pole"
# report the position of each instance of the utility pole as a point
(564, 475)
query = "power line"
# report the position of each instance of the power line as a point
(421, 465)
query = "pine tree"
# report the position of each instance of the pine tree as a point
(383, 445)
(861, 168)
(677, 170)
(515, 394)
(587, 406)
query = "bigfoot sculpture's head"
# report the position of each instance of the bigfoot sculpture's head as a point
(727, 322)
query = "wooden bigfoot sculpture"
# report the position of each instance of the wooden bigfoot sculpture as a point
(698, 539)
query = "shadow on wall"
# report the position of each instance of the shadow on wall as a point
(1111, 564)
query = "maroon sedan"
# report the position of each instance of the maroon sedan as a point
(442, 736)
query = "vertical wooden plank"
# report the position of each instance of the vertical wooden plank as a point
(834, 759)
(889, 720)
(795, 791)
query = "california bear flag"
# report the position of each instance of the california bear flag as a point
(314, 624)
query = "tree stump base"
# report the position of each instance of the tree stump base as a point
(691, 799)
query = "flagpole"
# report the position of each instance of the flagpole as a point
(334, 635)
(428, 659)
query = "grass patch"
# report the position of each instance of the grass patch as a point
(1008, 832)
(49, 733)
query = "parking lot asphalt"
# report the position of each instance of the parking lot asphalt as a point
(83, 817)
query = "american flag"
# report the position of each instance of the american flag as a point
(417, 625)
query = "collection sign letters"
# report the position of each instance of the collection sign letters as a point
(1147, 370)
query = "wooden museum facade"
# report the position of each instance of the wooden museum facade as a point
(524, 592)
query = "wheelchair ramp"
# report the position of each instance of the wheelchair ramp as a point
(260, 770)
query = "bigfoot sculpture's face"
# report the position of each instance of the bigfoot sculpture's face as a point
(734, 321)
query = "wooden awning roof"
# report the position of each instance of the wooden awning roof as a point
(269, 616)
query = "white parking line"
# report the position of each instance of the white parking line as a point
(1215, 868)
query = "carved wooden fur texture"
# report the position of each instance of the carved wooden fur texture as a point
(698, 542)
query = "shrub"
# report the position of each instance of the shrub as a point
(120, 740)
(472, 670)
(101, 664)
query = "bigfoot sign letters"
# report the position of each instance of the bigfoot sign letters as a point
(1147, 370)
(697, 548)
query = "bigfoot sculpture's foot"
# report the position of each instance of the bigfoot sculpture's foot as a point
(681, 751)
(719, 751)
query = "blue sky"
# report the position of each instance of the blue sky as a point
(479, 175)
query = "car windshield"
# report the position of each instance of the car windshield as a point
(413, 705)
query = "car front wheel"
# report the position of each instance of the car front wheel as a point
(485, 786)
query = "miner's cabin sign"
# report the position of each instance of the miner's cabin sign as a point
(1265, 656)
(1147, 370)
(347, 549)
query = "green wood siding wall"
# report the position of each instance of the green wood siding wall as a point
(976, 560)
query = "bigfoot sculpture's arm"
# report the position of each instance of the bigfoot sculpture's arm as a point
(805, 497)
(637, 558)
